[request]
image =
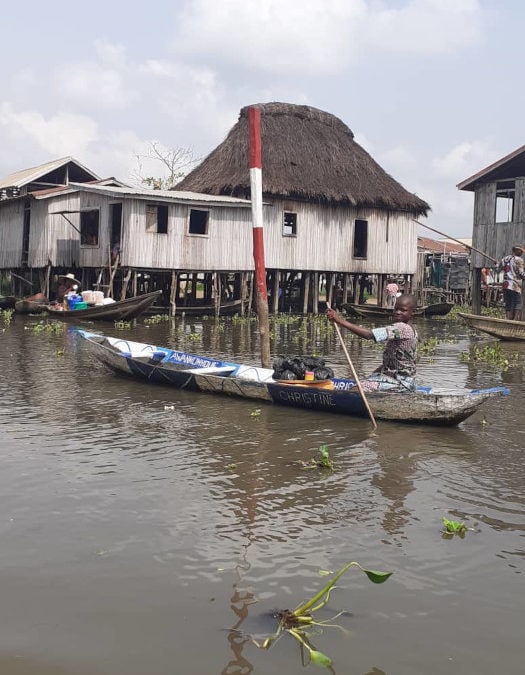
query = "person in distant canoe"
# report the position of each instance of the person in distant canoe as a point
(66, 284)
(398, 370)
(513, 269)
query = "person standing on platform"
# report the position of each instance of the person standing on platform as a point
(513, 269)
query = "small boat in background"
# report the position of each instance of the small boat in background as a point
(437, 309)
(34, 304)
(7, 301)
(374, 311)
(227, 308)
(120, 310)
(161, 365)
(504, 329)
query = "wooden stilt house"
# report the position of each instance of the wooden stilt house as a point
(499, 214)
(330, 210)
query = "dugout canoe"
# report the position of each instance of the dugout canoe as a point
(427, 405)
(375, 312)
(504, 329)
(121, 310)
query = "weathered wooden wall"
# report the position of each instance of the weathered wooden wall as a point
(324, 240)
(496, 239)
(11, 233)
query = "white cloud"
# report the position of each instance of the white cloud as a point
(310, 36)
(59, 135)
(465, 159)
(97, 84)
(425, 26)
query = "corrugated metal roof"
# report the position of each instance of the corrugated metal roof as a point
(26, 176)
(441, 245)
(156, 195)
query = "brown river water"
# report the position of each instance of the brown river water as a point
(149, 531)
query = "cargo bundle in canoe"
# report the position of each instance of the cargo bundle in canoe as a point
(161, 365)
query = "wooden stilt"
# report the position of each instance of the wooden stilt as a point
(315, 293)
(275, 291)
(306, 291)
(173, 293)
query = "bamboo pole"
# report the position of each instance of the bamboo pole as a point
(472, 248)
(356, 378)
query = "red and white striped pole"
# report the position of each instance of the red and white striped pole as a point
(254, 123)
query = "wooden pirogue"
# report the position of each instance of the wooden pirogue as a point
(504, 329)
(121, 310)
(200, 373)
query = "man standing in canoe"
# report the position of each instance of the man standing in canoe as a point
(513, 274)
(398, 370)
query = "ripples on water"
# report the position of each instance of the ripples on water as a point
(141, 522)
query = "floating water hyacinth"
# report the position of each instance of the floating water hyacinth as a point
(297, 621)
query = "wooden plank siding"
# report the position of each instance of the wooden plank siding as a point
(52, 238)
(226, 246)
(496, 238)
(11, 234)
(324, 239)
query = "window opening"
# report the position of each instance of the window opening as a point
(360, 239)
(89, 227)
(505, 192)
(198, 222)
(157, 218)
(289, 224)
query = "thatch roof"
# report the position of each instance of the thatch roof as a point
(307, 154)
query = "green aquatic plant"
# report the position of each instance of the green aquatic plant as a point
(121, 325)
(6, 315)
(193, 337)
(256, 412)
(428, 346)
(492, 354)
(156, 318)
(296, 622)
(321, 460)
(44, 327)
(453, 527)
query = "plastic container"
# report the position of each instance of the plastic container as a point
(80, 305)
(309, 376)
(73, 299)
(87, 296)
(98, 297)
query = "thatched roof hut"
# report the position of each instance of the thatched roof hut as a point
(308, 155)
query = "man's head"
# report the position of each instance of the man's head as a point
(404, 307)
(517, 249)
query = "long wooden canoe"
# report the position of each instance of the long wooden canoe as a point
(122, 310)
(200, 373)
(504, 329)
(227, 308)
(373, 311)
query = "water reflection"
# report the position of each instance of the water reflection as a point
(127, 502)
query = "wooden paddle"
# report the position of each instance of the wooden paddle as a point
(357, 381)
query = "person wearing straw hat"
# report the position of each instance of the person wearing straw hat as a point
(513, 269)
(66, 284)
(398, 370)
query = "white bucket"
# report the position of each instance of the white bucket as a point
(98, 297)
(87, 296)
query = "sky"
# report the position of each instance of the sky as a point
(432, 89)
